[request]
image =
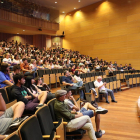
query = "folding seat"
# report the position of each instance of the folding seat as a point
(30, 130)
(117, 81)
(6, 98)
(107, 83)
(88, 77)
(78, 134)
(111, 83)
(48, 127)
(138, 79)
(83, 76)
(13, 136)
(8, 91)
(101, 74)
(114, 82)
(131, 80)
(106, 72)
(122, 75)
(40, 73)
(134, 79)
(93, 76)
(96, 75)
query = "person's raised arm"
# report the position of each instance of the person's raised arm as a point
(76, 107)
(2, 137)
(7, 82)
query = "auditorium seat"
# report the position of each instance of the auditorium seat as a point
(13, 136)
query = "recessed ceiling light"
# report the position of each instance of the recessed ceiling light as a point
(23, 30)
(74, 8)
(63, 12)
(1, 1)
(56, 2)
(17, 33)
(79, 0)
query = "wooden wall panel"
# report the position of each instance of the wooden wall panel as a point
(20, 38)
(107, 29)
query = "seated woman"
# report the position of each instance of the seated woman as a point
(73, 69)
(39, 64)
(16, 60)
(7, 60)
(4, 76)
(51, 65)
(57, 66)
(34, 90)
(87, 68)
(33, 65)
(77, 77)
(45, 64)
(97, 67)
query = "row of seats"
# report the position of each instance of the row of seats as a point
(44, 125)
(132, 79)
(112, 83)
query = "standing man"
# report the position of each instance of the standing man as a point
(101, 86)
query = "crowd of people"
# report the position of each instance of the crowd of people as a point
(18, 69)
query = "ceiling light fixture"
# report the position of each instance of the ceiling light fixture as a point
(23, 30)
(63, 12)
(79, 0)
(74, 8)
(1, 1)
(56, 2)
(17, 33)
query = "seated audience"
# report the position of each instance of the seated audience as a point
(21, 93)
(7, 59)
(68, 81)
(4, 76)
(75, 121)
(73, 69)
(11, 117)
(110, 69)
(16, 60)
(87, 109)
(77, 77)
(101, 86)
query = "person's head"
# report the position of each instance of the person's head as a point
(16, 57)
(33, 61)
(7, 55)
(99, 78)
(73, 67)
(66, 73)
(120, 65)
(126, 65)
(76, 73)
(60, 95)
(29, 81)
(19, 79)
(45, 61)
(69, 93)
(38, 81)
(4, 68)
(16, 69)
(129, 65)
(24, 60)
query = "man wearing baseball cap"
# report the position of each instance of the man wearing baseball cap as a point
(75, 121)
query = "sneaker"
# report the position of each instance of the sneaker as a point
(114, 101)
(17, 122)
(101, 111)
(39, 106)
(103, 132)
(108, 102)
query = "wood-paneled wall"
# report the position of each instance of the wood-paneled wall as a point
(12, 17)
(20, 38)
(107, 29)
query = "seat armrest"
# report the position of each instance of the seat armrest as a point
(11, 103)
(46, 136)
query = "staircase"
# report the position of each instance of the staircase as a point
(124, 86)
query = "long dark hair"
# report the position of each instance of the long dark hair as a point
(29, 84)
(76, 73)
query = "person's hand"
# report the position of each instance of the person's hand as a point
(71, 85)
(104, 83)
(71, 97)
(79, 113)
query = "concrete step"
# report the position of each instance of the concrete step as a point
(124, 88)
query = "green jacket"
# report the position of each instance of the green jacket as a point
(62, 111)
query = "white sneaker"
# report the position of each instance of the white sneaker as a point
(103, 132)
(101, 111)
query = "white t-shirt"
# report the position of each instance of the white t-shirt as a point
(97, 84)
(69, 103)
(78, 79)
(7, 60)
(16, 61)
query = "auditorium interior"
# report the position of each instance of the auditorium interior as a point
(49, 47)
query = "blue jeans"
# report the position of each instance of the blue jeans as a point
(75, 86)
(106, 92)
(89, 113)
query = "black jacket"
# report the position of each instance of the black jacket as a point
(19, 93)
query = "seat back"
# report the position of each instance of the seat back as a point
(4, 95)
(8, 90)
(13, 136)
(40, 73)
(87, 87)
(51, 107)
(30, 129)
(45, 120)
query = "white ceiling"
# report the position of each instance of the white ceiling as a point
(65, 5)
